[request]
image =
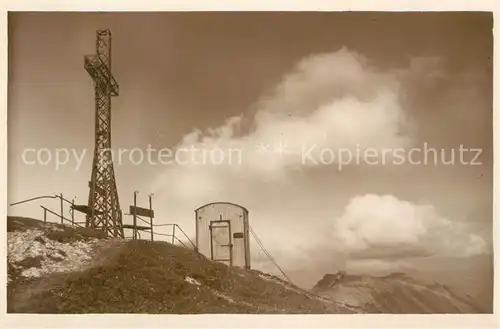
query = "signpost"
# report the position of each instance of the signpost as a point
(141, 212)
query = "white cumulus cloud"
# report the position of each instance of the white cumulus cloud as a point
(329, 101)
(378, 226)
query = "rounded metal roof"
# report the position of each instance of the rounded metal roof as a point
(220, 202)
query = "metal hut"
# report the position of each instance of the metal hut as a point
(222, 233)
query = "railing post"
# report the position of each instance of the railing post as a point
(73, 212)
(134, 234)
(151, 213)
(44, 216)
(62, 208)
(173, 234)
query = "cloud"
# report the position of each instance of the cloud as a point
(382, 226)
(333, 101)
(329, 101)
(375, 266)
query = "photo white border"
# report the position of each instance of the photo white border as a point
(243, 321)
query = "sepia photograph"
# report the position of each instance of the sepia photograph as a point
(250, 162)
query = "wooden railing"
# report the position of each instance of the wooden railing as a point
(176, 230)
(173, 236)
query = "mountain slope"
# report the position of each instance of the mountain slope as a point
(136, 277)
(395, 293)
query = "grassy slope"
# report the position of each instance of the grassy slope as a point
(150, 277)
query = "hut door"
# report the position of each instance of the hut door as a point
(220, 241)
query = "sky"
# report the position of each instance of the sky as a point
(275, 86)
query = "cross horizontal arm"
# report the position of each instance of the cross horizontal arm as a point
(100, 73)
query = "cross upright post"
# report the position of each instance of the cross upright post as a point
(103, 210)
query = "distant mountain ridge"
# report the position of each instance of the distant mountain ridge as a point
(396, 293)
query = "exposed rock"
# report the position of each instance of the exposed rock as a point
(35, 255)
